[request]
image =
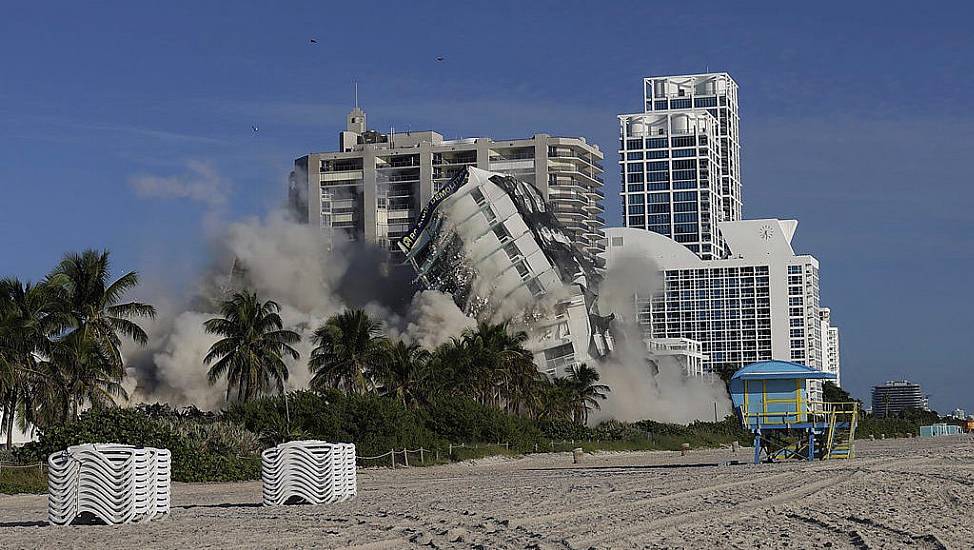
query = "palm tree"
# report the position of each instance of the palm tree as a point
(586, 391)
(89, 303)
(349, 348)
(402, 372)
(27, 322)
(503, 368)
(251, 352)
(83, 372)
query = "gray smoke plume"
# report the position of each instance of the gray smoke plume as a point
(641, 389)
(292, 264)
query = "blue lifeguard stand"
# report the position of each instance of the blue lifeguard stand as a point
(771, 398)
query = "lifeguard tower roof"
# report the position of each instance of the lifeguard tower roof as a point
(771, 370)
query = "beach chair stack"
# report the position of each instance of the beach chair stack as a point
(109, 482)
(312, 472)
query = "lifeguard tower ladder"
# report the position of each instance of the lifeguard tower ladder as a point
(771, 398)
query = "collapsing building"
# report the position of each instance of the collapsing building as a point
(493, 243)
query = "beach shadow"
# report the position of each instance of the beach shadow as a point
(23, 524)
(221, 505)
(640, 467)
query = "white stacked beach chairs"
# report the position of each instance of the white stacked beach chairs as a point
(114, 483)
(313, 472)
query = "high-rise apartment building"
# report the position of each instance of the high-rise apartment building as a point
(374, 187)
(896, 396)
(759, 303)
(680, 160)
(717, 93)
(671, 177)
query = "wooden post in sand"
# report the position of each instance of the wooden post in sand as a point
(392, 453)
(405, 457)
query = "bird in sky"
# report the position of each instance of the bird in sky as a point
(440, 59)
(313, 41)
(255, 129)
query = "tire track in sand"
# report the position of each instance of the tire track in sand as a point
(665, 523)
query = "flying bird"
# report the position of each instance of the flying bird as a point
(313, 41)
(255, 129)
(440, 59)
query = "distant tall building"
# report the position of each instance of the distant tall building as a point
(717, 93)
(374, 187)
(680, 160)
(830, 345)
(896, 396)
(759, 303)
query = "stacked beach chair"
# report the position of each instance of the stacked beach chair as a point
(312, 472)
(114, 483)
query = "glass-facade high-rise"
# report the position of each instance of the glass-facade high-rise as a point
(717, 94)
(670, 168)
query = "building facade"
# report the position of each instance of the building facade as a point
(896, 396)
(680, 160)
(670, 170)
(374, 187)
(488, 240)
(717, 94)
(830, 345)
(759, 303)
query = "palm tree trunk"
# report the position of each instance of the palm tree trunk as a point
(10, 426)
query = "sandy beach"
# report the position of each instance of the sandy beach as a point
(898, 493)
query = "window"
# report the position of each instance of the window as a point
(705, 102)
(638, 155)
(685, 141)
(535, 287)
(656, 143)
(634, 144)
(502, 233)
(680, 103)
(659, 165)
(634, 188)
(512, 250)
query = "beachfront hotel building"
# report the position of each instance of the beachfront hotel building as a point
(760, 302)
(680, 160)
(375, 185)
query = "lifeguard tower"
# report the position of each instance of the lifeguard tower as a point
(772, 400)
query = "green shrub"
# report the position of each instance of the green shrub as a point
(203, 449)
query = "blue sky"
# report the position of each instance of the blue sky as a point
(855, 119)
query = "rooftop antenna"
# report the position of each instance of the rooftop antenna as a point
(356, 94)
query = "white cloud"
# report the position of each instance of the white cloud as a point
(200, 183)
